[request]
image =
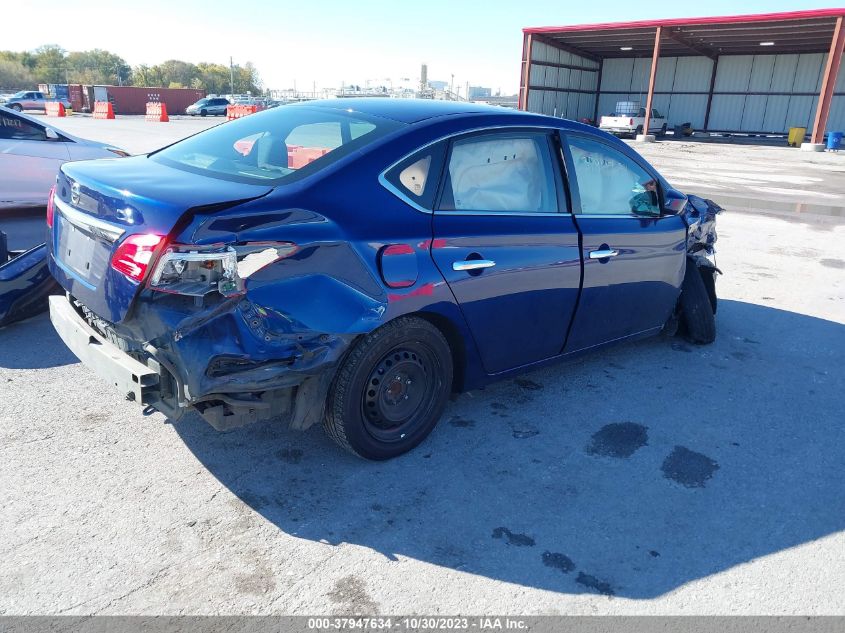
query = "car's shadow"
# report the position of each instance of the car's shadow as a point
(630, 472)
(33, 344)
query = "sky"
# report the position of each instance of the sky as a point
(330, 42)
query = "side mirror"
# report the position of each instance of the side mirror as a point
(51, 134)
(673, 202)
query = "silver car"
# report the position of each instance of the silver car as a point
(31, 154)
(208, 106)
(31, 100)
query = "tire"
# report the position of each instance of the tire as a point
(17, 107)
(638, 131)
(662, 131)
(392, 418)
(708, 276)
(696, 310)
(203, 112)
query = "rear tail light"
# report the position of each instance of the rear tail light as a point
(50, 206)
(630, 121)
(133, 255)
(198, 270)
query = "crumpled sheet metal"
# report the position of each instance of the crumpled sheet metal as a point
(701, 215)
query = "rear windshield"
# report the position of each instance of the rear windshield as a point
(275, 146)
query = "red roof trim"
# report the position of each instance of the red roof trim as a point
(725, 19)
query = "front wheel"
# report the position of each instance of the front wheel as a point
(203, 112)
(390, 390)
(697, 311)
(17, 107)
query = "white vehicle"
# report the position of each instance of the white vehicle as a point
(618, 123)
(31, 154)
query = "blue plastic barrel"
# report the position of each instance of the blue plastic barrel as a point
(834, 140)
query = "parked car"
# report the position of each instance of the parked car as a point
(214, 106)
(354, 261)
(627, 124)
(30, 100)
(31, 153)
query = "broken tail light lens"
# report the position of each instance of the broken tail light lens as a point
(50, 206)
(199, 270)
(196, 271)
(133, 255)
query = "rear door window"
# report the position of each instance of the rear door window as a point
(503, 172)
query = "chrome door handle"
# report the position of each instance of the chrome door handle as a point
(473, 264)
(602, 254)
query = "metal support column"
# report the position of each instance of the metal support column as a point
(527, 42)
(710, 93)
(834, 58)
(651, 78)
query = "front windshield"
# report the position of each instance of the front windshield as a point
(275, 146)
(19, 94)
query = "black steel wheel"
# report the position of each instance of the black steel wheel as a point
(203, 112)
(696, 309)
(390, 390)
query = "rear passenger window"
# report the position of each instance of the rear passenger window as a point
(501, 173)
(610, 183)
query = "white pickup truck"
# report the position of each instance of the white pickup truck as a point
(628, 124)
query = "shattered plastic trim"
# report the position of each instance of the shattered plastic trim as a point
(700, 214)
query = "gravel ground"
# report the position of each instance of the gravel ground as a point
(654, 478)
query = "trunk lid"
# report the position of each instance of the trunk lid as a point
(98, 204)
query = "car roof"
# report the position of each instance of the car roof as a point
(404, 110)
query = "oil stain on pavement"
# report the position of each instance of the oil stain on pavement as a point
(591, 582)
(513, 538)
(688, 468)
(559, 561)
(618, 440)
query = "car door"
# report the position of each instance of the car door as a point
(35, 101)
(507, 245)
(656, 120)
(634, 256)
(29, 161)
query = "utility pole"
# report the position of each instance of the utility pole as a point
(232, 75)
(452, 86)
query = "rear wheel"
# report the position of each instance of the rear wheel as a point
(696, 309)
(662, 131)
(390, 390)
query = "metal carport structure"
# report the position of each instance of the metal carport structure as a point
(757, 74)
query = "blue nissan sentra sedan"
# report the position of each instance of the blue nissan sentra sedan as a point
(352, 262)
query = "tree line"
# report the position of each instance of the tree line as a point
(52, 64)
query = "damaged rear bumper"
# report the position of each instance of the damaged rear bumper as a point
(132, 378)
(150, 376)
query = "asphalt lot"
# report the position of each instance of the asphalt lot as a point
(654, 478)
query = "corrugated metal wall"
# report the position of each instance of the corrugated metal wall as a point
(680, 87)
(751, 93)
(562, 84)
